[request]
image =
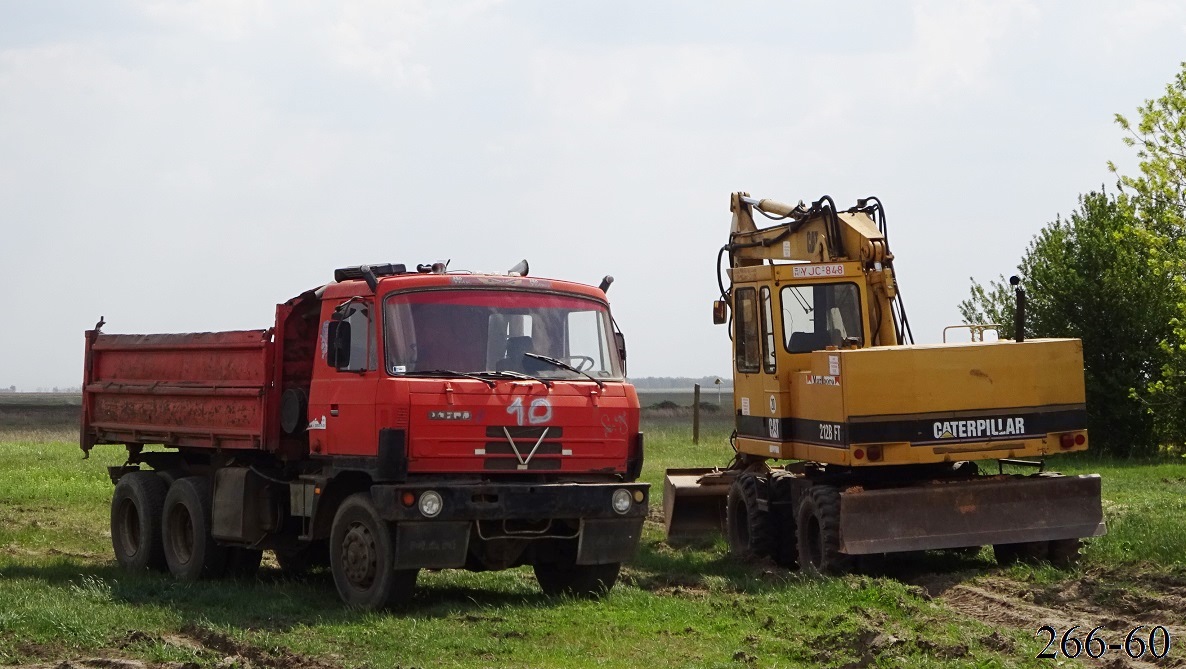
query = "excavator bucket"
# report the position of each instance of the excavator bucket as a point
(694, 503)
(992, 510)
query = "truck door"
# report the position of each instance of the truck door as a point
(342, 394)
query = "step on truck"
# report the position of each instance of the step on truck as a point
(885, 446)
(388, 422)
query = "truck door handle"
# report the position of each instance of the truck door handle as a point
(333, 409)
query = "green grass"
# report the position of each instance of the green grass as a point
(62, 596)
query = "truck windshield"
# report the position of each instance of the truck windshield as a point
(472, 331)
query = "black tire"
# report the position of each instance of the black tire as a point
(243, 562)
(1064, 553)
(1030, 552)
(785, 547)
(302, 561)
(136, 507)
(362, 558)
(576, 580)
(818, 524)
(750, 529)
(190, 551)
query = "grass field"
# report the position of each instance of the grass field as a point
(61, 596)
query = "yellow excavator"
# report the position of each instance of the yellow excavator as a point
(888, 446)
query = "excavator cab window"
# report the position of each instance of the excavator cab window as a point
(745, 337)
(815, 317)
(768, 355)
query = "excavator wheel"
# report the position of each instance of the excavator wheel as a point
(1064, 553)
(1030, 552)
(750, 529)
(819, 533)
(785, 547)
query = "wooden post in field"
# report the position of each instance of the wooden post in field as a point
(696, 414)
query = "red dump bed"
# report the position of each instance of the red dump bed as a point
(204, 389)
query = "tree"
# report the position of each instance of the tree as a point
(1159, 194)
(1090, 277)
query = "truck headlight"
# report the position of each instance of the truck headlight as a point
(431, 503)
(621, 500)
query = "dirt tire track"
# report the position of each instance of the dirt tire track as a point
(254, 656)
(1001, 601)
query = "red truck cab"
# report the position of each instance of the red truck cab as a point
(389, 421)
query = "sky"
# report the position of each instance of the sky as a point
(184, 166)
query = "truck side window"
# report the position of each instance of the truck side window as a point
(745, 324)
(768, 359)
(363, 353)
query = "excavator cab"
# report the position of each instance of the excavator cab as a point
(828, 379)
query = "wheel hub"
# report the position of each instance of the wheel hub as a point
(359, 556)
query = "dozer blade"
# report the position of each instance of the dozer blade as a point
(694, 503)
(976, 512)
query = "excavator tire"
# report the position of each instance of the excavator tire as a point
(750, 529)
(1029, 552)
(819, 533)
(1064, 553)
(785, 548)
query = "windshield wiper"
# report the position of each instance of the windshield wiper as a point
(564, 365)
(517, 375)
(449, 372)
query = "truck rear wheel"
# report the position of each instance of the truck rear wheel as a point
(576, 580)
(189, 549)
(136, 507)
(818, 524)
(750, 531)
(362, 557)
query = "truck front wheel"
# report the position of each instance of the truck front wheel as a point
(136, 509)
(362, 557)
(189, 549)
(818, 522)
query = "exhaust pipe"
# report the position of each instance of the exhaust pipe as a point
(1019, 317)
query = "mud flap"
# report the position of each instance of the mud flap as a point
(694, 503)
(976, 512)
(433, 545)
(605, 540)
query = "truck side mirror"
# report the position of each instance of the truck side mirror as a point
(720, 312)
(620, 343)
(337, 339)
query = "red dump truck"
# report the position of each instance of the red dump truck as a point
(387, 422)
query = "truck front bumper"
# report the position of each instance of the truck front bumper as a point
(512, 512)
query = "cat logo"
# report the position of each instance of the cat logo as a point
(976, 429)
